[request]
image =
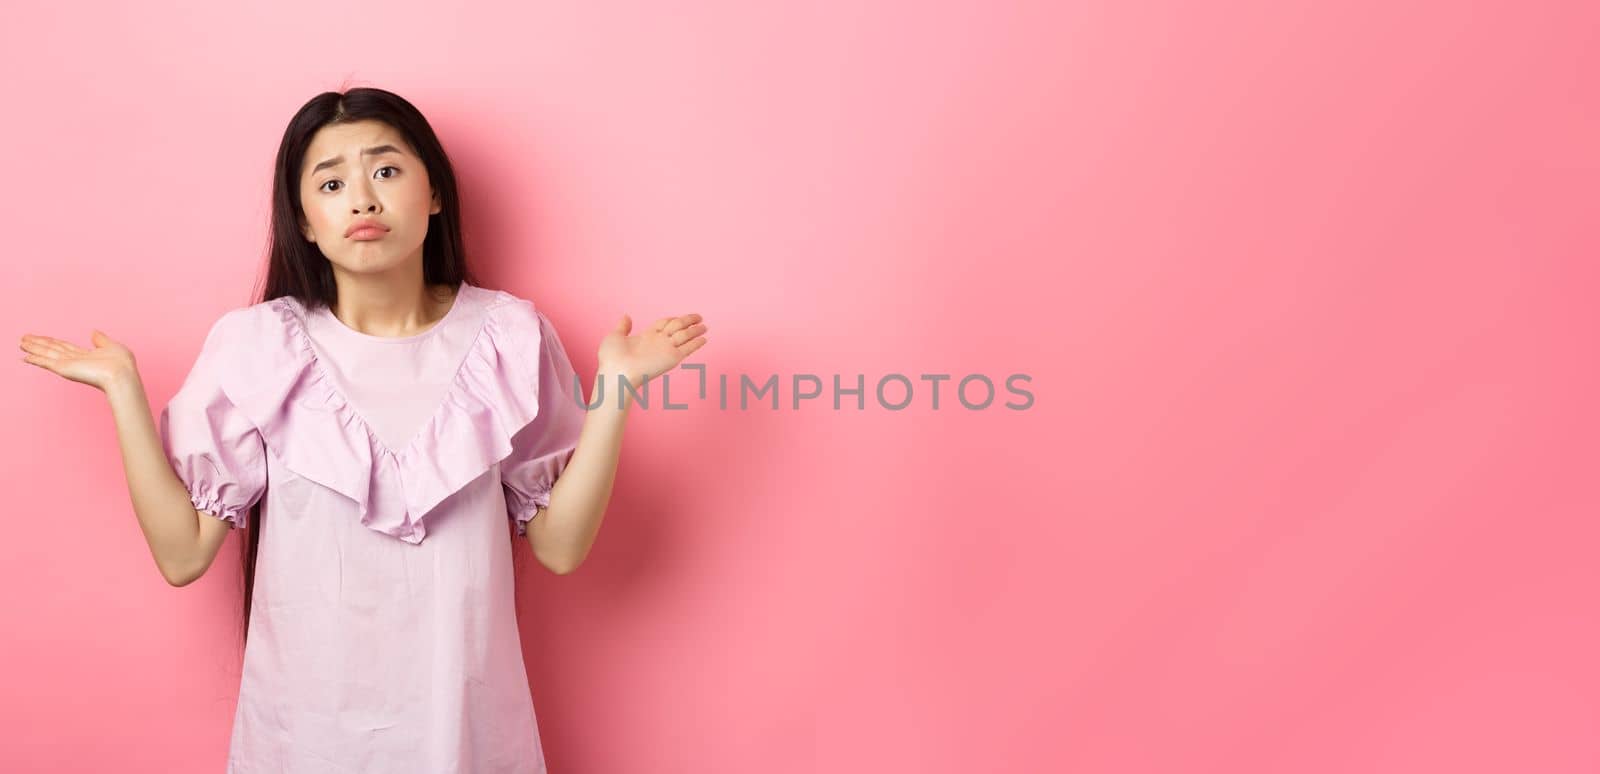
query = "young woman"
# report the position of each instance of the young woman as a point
(378, 424)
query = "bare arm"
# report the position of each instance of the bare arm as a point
(562, 534)
(183, 541)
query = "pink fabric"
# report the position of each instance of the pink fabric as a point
(383, 635)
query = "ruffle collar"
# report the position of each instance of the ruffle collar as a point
(311, 427)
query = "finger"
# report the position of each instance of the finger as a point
(58, 345)
(688, 333)
(689, 348)
(37, 347)
(58, 348)
(680, 322)
(46, 363)
(661, 323)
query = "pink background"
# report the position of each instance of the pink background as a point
(1307, 294)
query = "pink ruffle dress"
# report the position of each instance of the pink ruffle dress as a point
(383, 635)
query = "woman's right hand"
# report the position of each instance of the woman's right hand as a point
(101, 367)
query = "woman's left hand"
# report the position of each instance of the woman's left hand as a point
(652, 352)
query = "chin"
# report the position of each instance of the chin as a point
(372, 262)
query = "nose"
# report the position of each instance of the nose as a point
(366, 200)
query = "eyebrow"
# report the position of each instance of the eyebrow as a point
(373, 151)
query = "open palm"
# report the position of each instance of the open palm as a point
(98, 367)
(651, 352)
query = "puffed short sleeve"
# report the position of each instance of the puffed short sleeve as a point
(217, 452)
(542, 449)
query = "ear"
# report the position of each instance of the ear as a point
(437, 206)
(305, 229)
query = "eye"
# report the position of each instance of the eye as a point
(396, 171)
(324, 186)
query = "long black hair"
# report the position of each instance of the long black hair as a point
(296, 267)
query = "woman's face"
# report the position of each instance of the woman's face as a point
(364, 171)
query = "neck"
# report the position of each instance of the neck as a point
(393, 304)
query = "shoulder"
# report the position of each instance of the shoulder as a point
(516, 327)
(502, 301)
(251, 339)
(506, 310)
(242, 325)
